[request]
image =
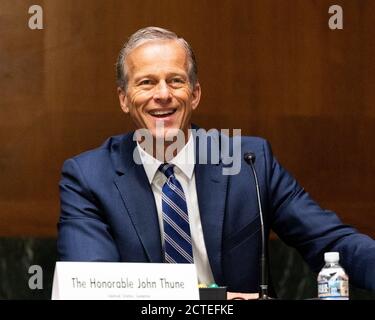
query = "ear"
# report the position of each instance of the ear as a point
(196, 95)
(123, 99)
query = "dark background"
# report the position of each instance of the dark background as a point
(272, 68)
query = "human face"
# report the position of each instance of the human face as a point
(158, 88)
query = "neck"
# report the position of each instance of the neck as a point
(164, 149)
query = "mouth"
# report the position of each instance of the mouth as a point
(162, 113)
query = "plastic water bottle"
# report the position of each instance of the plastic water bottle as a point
(333, 282)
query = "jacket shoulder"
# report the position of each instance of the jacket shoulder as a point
(101, 157)
(253, 140)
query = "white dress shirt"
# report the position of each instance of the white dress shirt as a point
(184, 163)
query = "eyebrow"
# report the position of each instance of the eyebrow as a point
(150, 75)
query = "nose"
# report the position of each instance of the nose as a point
(162, 93)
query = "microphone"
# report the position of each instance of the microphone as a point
(249, 157)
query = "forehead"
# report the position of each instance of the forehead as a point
(157, 56)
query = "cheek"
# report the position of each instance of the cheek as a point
(139, 98)
(184, 98)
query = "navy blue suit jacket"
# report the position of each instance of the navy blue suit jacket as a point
(108, 213)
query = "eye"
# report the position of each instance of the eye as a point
(177, 82)
(145, 82)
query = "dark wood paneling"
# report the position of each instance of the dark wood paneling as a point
(270, 67)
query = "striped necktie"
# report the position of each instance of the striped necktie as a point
(177, 239)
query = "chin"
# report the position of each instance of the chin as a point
(169, 134)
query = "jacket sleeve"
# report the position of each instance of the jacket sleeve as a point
(300, 222)
(83, 234)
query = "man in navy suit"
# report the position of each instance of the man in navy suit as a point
(112, 198)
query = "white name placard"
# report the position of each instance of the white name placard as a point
(124, 281)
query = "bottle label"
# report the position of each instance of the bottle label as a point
(333, 289)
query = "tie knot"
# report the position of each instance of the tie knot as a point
(167, 169)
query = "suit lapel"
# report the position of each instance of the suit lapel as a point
(138, 198)
(211, 187)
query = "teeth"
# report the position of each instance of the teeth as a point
(161, 112)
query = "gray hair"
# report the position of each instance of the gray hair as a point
(152, 33)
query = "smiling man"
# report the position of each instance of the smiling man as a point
(159, 86)
(124, 202)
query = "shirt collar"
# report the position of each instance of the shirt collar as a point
(184, 160)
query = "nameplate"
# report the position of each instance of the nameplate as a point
(124, 281)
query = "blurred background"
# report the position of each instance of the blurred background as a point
(272, 68)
